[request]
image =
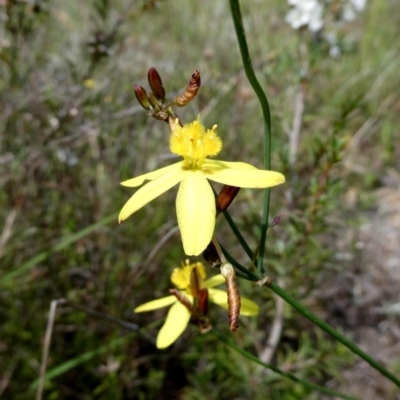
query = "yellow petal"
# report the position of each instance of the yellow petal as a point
(245, 178)
(156, 304)
(219, 297)
(214, 281)
(150, 191)
(219, 164)
(177, 319)
(248, 307)
(195, 209)
(150, 176)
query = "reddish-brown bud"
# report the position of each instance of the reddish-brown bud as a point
(191, 90)
(202, 301)
(141, 95)
(156, 84)
(225, 197)
(194, 282)
(153, 101)
(276, 221)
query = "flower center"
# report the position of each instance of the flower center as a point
(194, 143)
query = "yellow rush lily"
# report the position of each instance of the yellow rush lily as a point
(195, 203)
(179, 316)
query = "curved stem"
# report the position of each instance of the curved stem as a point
(335, 334)
(248, 67)
(288, 375)
(251, 276)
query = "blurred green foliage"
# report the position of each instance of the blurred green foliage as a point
(71, 130)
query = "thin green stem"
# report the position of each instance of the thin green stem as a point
(238, 235)
(236, 231)
(250, 275)
(288, 375)
(335, 334)
(239, 28)
(248, 67)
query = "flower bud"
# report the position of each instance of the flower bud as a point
(202, 301)
(191, 90)
(153, 101)
(156, 83)
(141, 95)
(276, 221)
(225, 197)
(194, 282)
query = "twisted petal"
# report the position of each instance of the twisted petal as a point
(177, 319)
(150, 176)
(195, 209)
(214, 281)
(156, 304)
(150, 191)
(241, 175)
(220, 297)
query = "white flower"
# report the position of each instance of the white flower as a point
(359, 5)
(351, 8)
(334, 51)
(305, 13)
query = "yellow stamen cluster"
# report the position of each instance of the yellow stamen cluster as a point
(194, 143)
(181, 276)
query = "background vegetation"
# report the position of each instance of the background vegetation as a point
(71, 130)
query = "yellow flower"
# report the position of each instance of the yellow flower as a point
(195, 203)
(179, 316)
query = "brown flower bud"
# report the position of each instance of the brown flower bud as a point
(228, 273)
(225, 197)
(276, 221)
(191, 90)
(194, 282)
(156, 84)
(141, 95)
(202, 302)
(153, 101)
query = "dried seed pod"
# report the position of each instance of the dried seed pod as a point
(191, 90)
(156, 84)
(141, 95)
(228, 273)
(182, 299)
(225, 197)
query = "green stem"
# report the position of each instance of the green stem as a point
(248, 67)
(314, 319)
(288, 375)
(249, 275)
(335, 334)
(239, 28)
(238, 235)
